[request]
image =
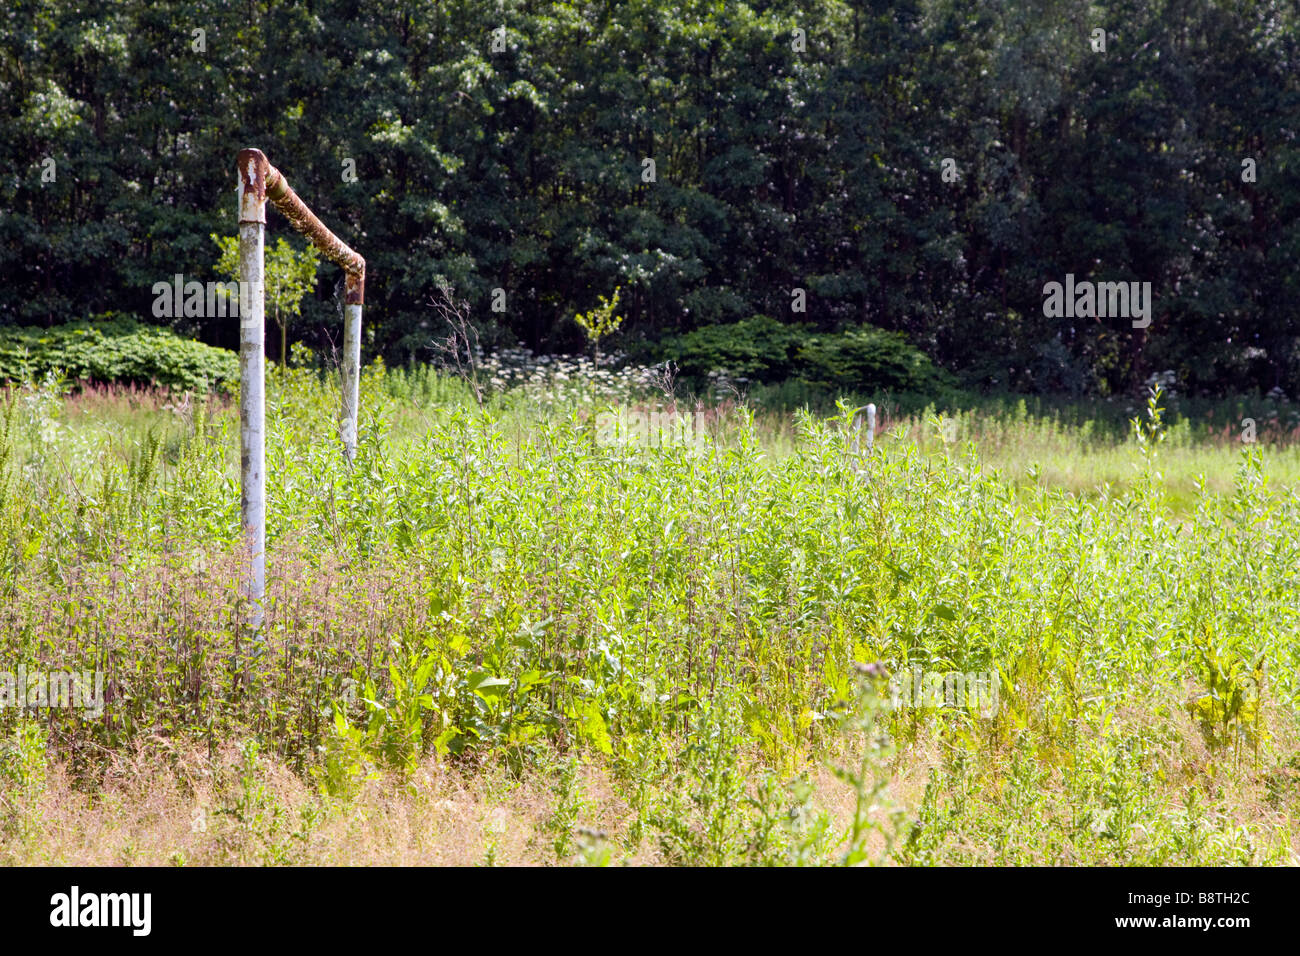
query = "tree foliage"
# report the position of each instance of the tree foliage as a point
(288, 275)
(795, 146)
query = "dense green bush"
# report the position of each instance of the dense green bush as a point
(115, 348)
(867, 357)
(765, 351)
(758, 348)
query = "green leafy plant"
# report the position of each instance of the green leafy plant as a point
(1229, 709)
(22, 779)
(600, 322)
(568, 805)
(874, 811)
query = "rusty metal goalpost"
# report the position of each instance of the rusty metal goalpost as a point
(258, 182)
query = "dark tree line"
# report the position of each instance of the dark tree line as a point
(795, 145)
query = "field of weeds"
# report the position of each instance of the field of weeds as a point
(495, 638)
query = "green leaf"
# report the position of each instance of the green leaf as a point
(485, 685)
(898, 572)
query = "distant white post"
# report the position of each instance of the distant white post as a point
(258, 182)
(857, 428)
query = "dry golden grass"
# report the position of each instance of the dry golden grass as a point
(164, 805)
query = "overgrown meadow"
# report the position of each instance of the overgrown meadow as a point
(494, 639)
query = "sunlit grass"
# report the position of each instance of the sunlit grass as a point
(702, 634)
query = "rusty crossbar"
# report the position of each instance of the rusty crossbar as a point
(258, 182)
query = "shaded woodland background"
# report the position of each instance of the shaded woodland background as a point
(776, 169)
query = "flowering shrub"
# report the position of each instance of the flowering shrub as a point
(559, 381)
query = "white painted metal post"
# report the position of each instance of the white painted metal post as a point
(858, 460)
(857, 428)
(252, 374)
(351, 377)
